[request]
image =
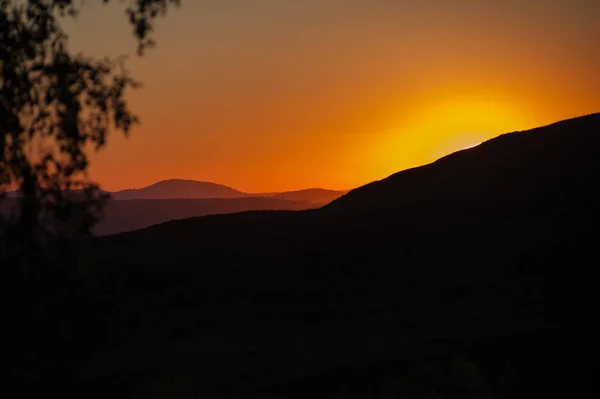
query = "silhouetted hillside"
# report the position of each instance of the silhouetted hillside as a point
(536, 162)
(127, 215)
(472, 273)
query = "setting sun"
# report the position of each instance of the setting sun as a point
(470, 146)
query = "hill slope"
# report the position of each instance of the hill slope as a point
(540, 160)
(484, 255)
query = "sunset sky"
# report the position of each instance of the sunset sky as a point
(270, 95)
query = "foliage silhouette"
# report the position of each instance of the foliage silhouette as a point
(54, 106)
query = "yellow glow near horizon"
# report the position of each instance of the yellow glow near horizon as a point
(471, 146)
(434, 131)
(452, 126)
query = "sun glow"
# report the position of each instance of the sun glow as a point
(434, 129)
(470, 146)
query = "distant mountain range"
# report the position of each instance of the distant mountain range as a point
(179, 188)
(192, 189)
(179, 199)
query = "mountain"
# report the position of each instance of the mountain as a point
(179, 188)
(520, 166)
(167, 200)
(192, 189)
(473, 274)
(127, 215)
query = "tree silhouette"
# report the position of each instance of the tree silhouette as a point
(54, 107)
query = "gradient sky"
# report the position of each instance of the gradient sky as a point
(268, 95)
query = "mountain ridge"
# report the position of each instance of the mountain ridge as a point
(485, 255)
(479, 153)
(185, 189)
(195, 189)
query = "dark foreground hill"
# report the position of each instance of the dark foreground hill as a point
(470, 277)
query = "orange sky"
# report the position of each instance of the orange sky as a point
(269, 95)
